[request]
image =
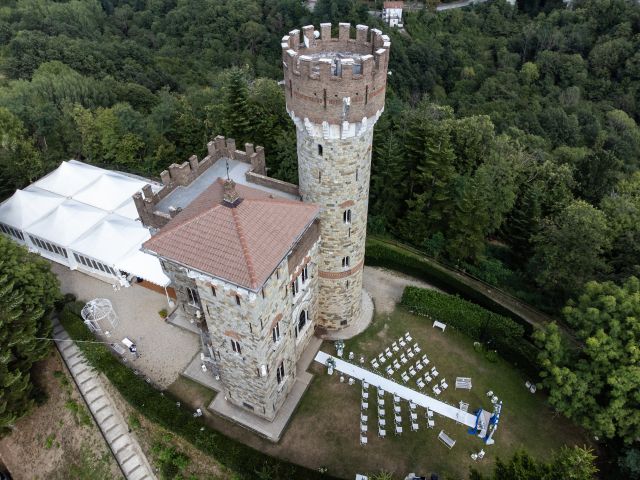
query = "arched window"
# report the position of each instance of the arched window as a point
(346, 216)
(302, 321)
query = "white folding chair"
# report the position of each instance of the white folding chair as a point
(397, 409)
(412, 372)
(435, 373)
(398, 418)
(480, 454)
(420, 383)
(363, 428)
(429, 413)
(414, 426)
(412, 406)
(427, 378)
(381, 402)
(365, 395)
(396, 364)
(395, 347)
(431, 423)
(419, 366)
(403, 359)
(382, 359)
(363, 439)
(437, 390)
(408, 337)
(402, 343)
(381, 412)
(396, 398)
(365, 385)
(389, 370)
(382, 432)
(365, 405)
(382, 422)
(405, 377)
(416, 348)
(444, 384)
(398, 429)
(414, 416)
(375, 364)
(363, 418)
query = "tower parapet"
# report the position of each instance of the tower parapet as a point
(335, 86)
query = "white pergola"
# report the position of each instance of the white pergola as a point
(84, 217)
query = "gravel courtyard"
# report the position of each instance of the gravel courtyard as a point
(165, 350)
(386, 287)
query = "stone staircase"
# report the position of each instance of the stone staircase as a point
(115, 430)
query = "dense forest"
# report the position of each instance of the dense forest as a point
(510, 144)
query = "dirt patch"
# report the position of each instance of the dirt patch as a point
(386, 287)
(58, 440)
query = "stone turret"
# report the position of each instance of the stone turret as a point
(335, 89)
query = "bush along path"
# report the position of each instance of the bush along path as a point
(125, 448)
(160, 407)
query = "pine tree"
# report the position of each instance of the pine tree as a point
(388, 189)
(28, 291)
(237, 117)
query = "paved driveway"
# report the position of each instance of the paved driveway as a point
(165, 350)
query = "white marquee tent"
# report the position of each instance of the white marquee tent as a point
(84, 217)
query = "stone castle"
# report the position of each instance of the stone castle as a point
(260, 264)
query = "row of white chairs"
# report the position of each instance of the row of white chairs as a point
(381, 359)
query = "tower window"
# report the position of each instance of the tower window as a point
(280, 372)
(302, 321)
(356, 174)
(235, 346)
(346, 216)
(319, 149)
(275, 333)
(319, 176)
(294, 287)
(237, 299)
(304, 274)
(346, 261)
(213, 290)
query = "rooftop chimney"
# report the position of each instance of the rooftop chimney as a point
(231, 198)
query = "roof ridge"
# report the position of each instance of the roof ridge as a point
(245, 248)
(164, 230)
(284, 201)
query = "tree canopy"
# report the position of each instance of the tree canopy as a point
(28, 291)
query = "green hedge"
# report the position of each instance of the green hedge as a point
(496, 331)
(246, 462)
(380, 254)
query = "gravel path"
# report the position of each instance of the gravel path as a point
(386, 287)
(165, 350)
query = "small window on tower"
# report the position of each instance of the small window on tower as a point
(346, 216)
(213, 290)
(345, 261)
(237, 299)
(319, 149)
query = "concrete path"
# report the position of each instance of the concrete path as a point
(386, 286)
(390, 386)
(115, 430)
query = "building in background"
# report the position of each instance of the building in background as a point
(392, 13)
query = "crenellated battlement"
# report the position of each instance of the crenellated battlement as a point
(182, 175)
(335, 79)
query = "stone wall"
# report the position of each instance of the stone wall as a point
(182, 175)
(338, 179)
(251, 324)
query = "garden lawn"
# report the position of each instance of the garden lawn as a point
(327, 420)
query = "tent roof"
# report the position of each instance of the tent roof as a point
(69, 178)
(111, 239)
(67, 222)
(109, 191)
(145, 266)
(27, 206)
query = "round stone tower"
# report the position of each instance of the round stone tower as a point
(335, 89)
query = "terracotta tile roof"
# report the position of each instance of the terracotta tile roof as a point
(242, 245)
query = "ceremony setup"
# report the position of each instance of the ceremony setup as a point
(399, 386)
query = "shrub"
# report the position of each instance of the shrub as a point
(495, 331)
(380, 254)
(163, 313)
(161, 409)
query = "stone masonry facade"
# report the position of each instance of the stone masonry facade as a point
(334, 91)
(238, 327)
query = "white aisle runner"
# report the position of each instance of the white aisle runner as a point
(390, 386)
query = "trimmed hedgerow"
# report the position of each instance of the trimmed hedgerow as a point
(160, 408)
(496, 331)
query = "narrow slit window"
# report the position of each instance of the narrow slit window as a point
(237, 299)
(346, 216)
(213, 290)
(319, 149)
(346, 261)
